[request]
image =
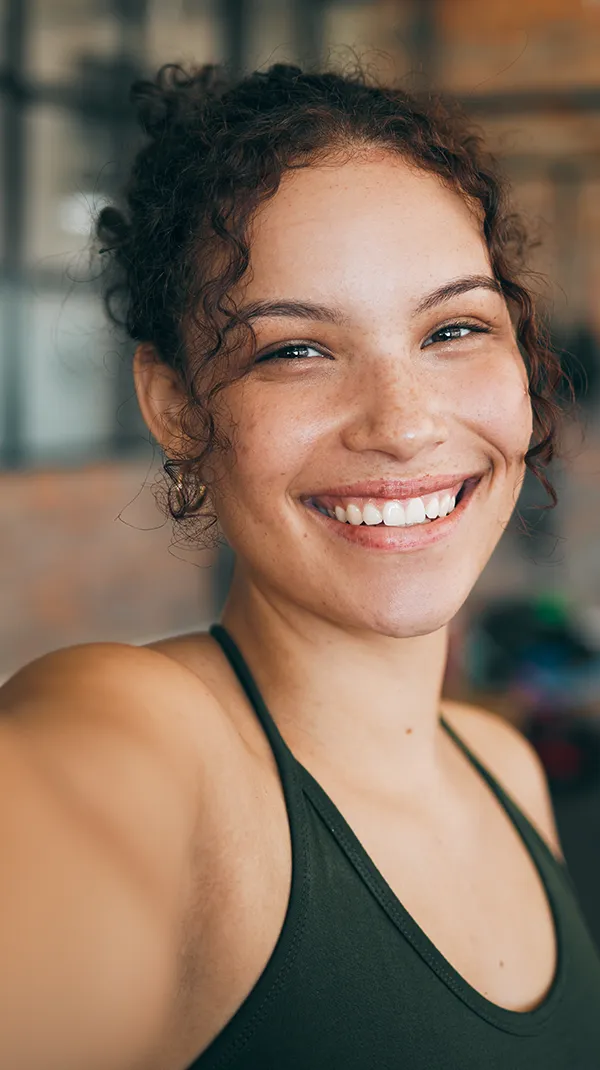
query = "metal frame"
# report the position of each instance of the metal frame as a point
(14, 166)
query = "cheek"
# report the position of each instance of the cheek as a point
(274, 436)
(497, 404)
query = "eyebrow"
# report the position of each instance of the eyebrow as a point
(309, 310)
(457, 287)
(301, 310)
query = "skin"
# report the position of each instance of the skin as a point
(348, 644)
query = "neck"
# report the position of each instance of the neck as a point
(363, 704)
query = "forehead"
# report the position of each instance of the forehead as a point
(373, 227)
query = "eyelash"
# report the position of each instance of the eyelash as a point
(279, 354)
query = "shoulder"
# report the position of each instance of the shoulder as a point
(511, 760)
(109, 685)
(100, 782)
(103, 664)
(127, 737)
(118, 762)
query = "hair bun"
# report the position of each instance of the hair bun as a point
(112, 228)
(284, 72)
(162, 102)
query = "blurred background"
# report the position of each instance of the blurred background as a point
(85, 554)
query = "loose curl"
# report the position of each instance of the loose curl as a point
(217, 148)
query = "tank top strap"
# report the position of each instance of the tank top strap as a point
(236, 659)
(487, 776)
(293, 773)
(528, 831)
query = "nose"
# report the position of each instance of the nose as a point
(395, 411)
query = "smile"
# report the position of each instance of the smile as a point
(392, 512)
(393, 524)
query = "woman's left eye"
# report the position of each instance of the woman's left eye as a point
(291, 352)
(454, 331)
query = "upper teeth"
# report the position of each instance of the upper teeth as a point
(394, 513)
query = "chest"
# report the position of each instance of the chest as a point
(480, 901)
(476, 895)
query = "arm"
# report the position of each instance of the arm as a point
(93, 831)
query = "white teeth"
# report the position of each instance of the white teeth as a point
(432, 509)
(354, 514)
(393, 515)
(371, 514)
(445, 504)
(415, 511)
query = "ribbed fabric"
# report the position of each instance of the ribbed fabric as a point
(354, 983)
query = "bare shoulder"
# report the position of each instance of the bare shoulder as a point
(512, 760)
(128, 796)
(97, 671)
(125, 735)
(105, 755)
(136, 690)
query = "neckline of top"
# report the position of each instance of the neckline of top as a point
(521, 1022)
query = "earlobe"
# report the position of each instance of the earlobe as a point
(159, 394)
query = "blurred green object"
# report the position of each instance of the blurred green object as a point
(517, 640)
(551, 609)
(533, 651)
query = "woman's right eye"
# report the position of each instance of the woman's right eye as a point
(291, 352)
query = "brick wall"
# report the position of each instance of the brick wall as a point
(498, 45)
(87, 556)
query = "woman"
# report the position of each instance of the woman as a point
(275, 845)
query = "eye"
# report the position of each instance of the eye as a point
(453, 332)
(296, 351)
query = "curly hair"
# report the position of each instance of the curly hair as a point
(216, 149)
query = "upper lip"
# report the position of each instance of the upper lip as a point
(395, 488)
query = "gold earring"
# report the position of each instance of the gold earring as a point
(172, 468)
(200, 496)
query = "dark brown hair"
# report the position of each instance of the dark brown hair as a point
(216, 149)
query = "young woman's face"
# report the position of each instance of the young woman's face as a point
(399, 380)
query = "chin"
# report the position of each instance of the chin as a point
(398, 619)
(417, 604)
(408, 626)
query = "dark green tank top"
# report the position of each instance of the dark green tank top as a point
(354, 983)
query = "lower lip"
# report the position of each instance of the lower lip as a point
(417, 537)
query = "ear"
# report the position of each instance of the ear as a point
(161, 397)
